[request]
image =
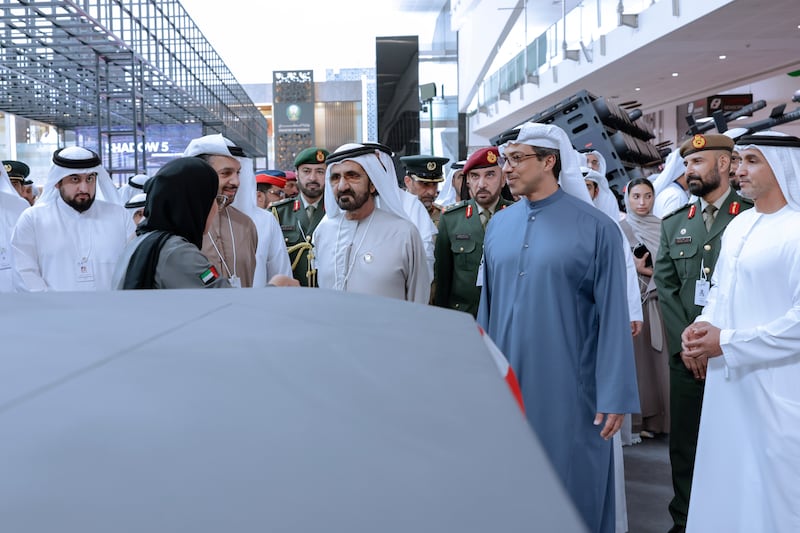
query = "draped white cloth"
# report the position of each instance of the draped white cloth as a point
(134, 186)
(669, 199)
(447, 196)
(606, 201)
(602, 166)
(11, 207)
(417, 214)
(673, 168)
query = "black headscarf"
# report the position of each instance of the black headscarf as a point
(179, 198)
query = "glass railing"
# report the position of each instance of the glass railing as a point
(579, 30)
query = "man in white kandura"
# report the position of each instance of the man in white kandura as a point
(70, 240)
(361, 247)
(748, 451)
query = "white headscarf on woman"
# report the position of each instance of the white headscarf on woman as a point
(271, 255)
(78, 160)
(782, 152)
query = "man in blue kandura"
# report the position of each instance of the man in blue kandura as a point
(554, 301)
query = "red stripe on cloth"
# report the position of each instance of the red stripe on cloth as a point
(513, 384)
(504, 368)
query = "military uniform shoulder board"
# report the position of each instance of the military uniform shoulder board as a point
(455, 206)
(686, 206)
(285, 201)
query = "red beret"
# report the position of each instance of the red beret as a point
(272, 180)
(291, 175)
(483, 158)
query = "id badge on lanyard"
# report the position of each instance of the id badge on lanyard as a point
(701, 287)
(85, 272)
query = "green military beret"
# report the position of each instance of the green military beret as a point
(311, 156)
(699, 143)
(425, 168)
(17, 169)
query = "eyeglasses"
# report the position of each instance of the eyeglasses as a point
(222, 200)
(514, 160)
(276, 192)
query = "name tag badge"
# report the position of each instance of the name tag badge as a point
(463, 236)
(85, 272)
(235, 281)
(701, 288)
(5, 259)
(683, 240)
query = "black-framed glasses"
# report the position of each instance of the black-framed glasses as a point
(515, 159)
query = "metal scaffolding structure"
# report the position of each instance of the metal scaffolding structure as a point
(119, 65)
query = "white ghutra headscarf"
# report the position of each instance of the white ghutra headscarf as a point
(551, 136)
(782, 152)
(77, 160)
(376, 160)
